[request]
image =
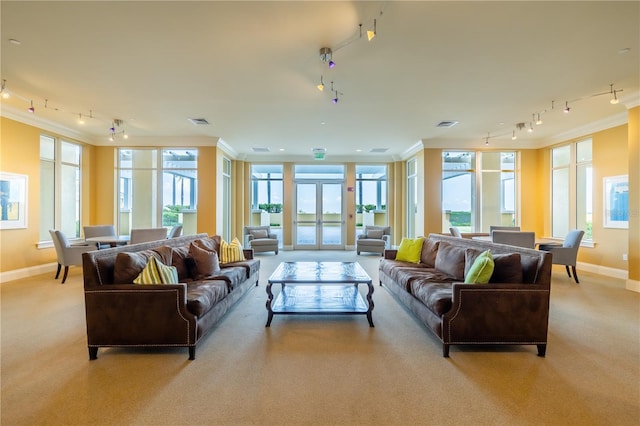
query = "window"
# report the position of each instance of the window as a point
(59, 187)
(371, 195)
(572, 189)
(226, 196)
(412, 197)
(266, 197)
(478, 190)
(157, 188)
(458, 190)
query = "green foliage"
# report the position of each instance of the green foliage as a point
(171, 214)
(460, 218)
(271, 208)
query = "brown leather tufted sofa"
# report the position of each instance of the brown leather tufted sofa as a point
(512, 309)
(122, 314)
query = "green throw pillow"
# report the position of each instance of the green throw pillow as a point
(410, 250)
(481, 269)
(156, 272)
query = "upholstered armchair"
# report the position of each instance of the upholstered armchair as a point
(260, 239)
(174, 232)
(91, 231)
(567, 253)
(143, 235)
(374, 239)
(68, 255)
(514, 238)
(502, 228)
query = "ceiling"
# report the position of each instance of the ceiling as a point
(251, 69)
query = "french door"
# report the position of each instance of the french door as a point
(319, 219)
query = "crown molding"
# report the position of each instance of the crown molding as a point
(44, 124)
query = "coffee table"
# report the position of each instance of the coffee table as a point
(319, 288)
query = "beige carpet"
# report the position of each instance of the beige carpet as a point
(313, 370)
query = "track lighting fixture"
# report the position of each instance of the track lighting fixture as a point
(539, 120)
(372, 34)
(114, 132)
(3, 90)
(566, 107)
(513, 136)
(335, 100)
(321, 85)
(31, 109)
(325, 56)
(530, 129)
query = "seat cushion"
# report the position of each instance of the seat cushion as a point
(203, 295)
(437, 297)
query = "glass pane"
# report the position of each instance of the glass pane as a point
(70, 201)
(560, 203)
(561, 156)
(47, 152)
(143, 207)
(266, 171)
(507, 161)
(180, 159)
(70, 153)
(457, 200)
(455, 160)
(584, 200)
(583, 151)
(332, 213)
(306, 213)
(178, 197)
(47, 199)
(372, 171)
(315, 171)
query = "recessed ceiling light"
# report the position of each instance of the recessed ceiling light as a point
(281, 149)
(624, 50)
(447, 124)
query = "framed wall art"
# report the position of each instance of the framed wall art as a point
(616, 202)
(13, 201)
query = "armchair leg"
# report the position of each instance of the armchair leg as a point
(58, 271)
(575, 275)
(568, 273)
(64, 277)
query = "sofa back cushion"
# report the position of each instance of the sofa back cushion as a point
(205, 262)
(429, 252)
(507, 266)
(128, 265)
(450, 260)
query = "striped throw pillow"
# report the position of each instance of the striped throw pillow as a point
(231, 252)
(156, 272)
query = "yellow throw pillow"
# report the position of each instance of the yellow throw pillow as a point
(481, 269)
(156, 272)
(231, 252)
(410, 250)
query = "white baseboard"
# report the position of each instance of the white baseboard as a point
(603, 270)
(31, 271)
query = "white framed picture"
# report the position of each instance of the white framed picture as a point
(13, 201)
(616, 202)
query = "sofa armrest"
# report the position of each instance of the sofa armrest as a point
(390, 253)
(497, 313)
(138, 315)
(248, 253)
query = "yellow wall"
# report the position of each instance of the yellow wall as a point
(19, 153)
(633, 133)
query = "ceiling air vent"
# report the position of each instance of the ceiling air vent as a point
(260, 149)
(447, 124)
(199, 121)
(379, 150)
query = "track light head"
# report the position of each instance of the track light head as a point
(321, 85)
(614, 100)
(31, 109)
(566, 107)
(372, 33)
